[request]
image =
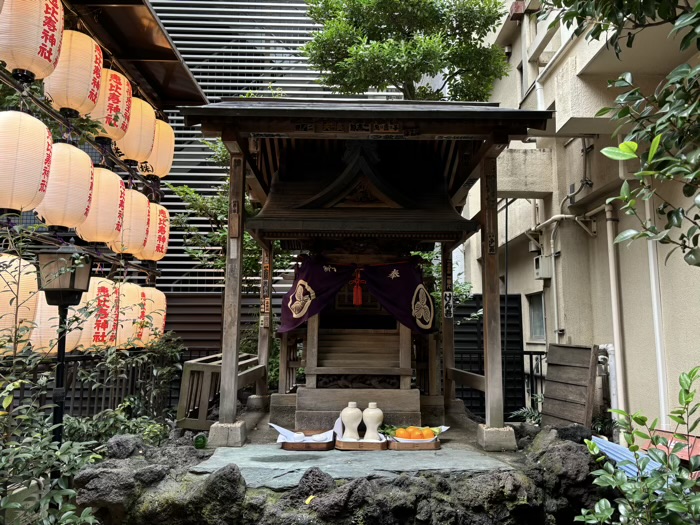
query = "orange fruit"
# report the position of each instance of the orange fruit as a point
(416, 434)
(428, 434)
(411, 429)
(402, 433)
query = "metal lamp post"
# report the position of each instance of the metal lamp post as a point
(64, 275)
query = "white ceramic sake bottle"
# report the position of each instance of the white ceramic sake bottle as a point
(351, 416)
(373, 417)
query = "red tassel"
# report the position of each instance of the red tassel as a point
(357, 290)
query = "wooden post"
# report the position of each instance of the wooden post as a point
(491, 295)
(232, 293)
(311, 350)
(283, 386)
(264, 331)
(433, 366)
(448, 334)
(405, 347)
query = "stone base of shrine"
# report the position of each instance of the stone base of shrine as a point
(318, 408)
(283, 408)
(432, 410)
(227, 434)
(496, 439)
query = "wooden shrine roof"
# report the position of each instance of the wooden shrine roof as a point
(462, 134)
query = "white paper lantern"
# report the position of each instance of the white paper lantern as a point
(105, 219)
(113, 108)
(18, 298)
(134, 233)
(161, 158)
(100, 329)
(44, 336)
(158, 234)
(31, 32)
(137, 143)
(25, 160)
(132, 314)
(69, 192)
(1, 3)
(75, 84)
(156, 305)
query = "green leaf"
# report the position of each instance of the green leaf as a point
(629, 147)
(654, 148)
(626, 235)
(617, 154)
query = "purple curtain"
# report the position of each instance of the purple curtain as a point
(398, 287)
(315, 286)
(400, 290)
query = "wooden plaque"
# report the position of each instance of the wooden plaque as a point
(396, 445)
(360, 445)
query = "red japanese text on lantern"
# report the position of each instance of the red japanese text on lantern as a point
(96, 76)
(49, 48)
(92, 185)
(142, 316)
(115, 323)
(114, 100)
(148, 227)
(47, 163)
(127, 109)
(101, 315)
(122, 201)
(162, 238)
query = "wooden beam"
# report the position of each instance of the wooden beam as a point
(232, 293)
(470, 171)
(283, 385)
(405, 347)
(366, 370)
(467, 379)
(265, 327)
(311, 350)
(433, 366)
(491, 295)
(448, 333)
(259, 188)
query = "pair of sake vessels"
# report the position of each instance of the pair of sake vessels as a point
(351, 416)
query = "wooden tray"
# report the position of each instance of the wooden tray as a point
(360, 445)
(396, 445)
(309, 446)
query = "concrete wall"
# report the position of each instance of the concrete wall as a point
(573, 75)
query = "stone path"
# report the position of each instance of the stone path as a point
(270, 466)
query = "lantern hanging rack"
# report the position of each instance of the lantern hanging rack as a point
(98, 256)
(46, 108)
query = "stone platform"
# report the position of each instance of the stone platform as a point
(271, 467)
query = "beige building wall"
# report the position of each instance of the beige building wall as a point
(555, 70)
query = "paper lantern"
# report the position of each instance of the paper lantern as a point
(75, 84)
(137, 144)
(105, 219)
(31, 32)
(132, 314)
(161, 158)
(69, 191)
(113, 108)
(156, 305)
(25, 160)
(100, 329)
(134, 233)
(158, 234)
(44, 337)
(18, 298)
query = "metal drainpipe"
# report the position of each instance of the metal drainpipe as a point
(613, 266)
(657, 318)
(555, 289)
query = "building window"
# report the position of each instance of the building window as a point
(537, 324)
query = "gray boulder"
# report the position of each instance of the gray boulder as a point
(124, 446)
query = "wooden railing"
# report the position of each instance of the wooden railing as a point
(201, 384)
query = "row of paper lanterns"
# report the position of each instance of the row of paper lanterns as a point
(32, 39)
(124, 315)
(60, 183)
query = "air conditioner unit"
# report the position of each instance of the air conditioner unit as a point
(543, 267)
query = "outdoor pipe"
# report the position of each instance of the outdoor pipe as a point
(657, 320)
(611, 223)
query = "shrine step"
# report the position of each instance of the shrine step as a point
(318, 408)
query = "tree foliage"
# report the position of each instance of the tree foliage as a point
(662, 128)
(368, 44)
